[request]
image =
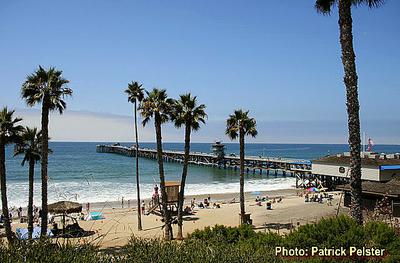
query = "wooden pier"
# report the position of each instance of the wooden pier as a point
(327, 171)
(299, 168)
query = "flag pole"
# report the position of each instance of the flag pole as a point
(363, 144)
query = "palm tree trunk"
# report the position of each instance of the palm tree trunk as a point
(242, 208)
(183, 181)
(350, 80)
(166, 215)
(30, 198)
(139, 211)
(3, 189)
(45, 149)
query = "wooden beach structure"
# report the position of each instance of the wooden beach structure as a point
(373, 192)
(328, 171)
(172, 190)
(299, 168)
(380, 175)
(375, 167)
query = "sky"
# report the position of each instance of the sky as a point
(278, 59)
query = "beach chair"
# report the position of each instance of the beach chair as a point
(22, 233)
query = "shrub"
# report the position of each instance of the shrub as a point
(220, 244)
(224, 234)
(46, 251)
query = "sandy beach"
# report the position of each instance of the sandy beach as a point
(121, 223)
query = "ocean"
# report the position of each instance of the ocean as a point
(78, 173)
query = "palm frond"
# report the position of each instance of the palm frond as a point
(324, 6)
(239, 122)
(145, 121)
(29, 145)
(46, 83)
(186, 112)
(135, 92)
(157, 103)
(10, 130)
(369, 3)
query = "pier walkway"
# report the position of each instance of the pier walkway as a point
(253, 164)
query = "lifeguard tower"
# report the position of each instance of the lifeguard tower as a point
(172, 191)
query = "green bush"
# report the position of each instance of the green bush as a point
(343, 231)
(194, 250)
(220, 244)
(224, 234)
(46, 251)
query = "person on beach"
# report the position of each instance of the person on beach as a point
(19, 212)
(87, 207)
(143, 207)
(35, 213)
(129, 203)
(192, 203)
(122, 202)
(155, 196)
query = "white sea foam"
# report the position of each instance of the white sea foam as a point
(107, 191)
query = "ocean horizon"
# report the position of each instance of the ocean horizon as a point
(78, 173)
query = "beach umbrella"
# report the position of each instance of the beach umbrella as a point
(65, 207)
(313, 189)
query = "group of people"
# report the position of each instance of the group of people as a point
(317, 198)
(265, 198)
(206, 203)
(19, 215)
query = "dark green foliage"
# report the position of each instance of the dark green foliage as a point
(194, 250)
(341, 231)
(46, 251)
(345, 232)
(224, 234)
(221, 244)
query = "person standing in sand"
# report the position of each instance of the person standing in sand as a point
(192, 203)
(143, 207)
(122, 202)
(156, 196)
(19, 212)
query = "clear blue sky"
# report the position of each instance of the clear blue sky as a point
(279, 59)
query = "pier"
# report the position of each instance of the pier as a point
(299, 168)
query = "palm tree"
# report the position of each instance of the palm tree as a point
(350, 81)
(186, 113)
(47, 87)
(30, 147)
(157, 105)
(135, 95)
(240, 124)
(9, 133)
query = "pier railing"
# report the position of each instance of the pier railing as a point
(254, 164)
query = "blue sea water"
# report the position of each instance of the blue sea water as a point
(77, 172)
